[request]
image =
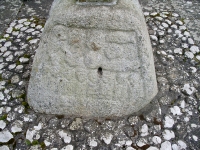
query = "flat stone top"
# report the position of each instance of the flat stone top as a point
(96, 2)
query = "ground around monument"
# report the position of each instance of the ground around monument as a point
(170, 122)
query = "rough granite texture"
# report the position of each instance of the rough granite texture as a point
(93, 61)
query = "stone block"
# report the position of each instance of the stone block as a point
(93, 60)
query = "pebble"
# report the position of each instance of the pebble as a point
(193, 69)
(22, 20)
(4, 147)
(166, 146)
(93, 143)
(77, 124)
(168, 21)
(5, 136)
(168, 122)
(178, 51)
(34, 41)
(1, 96)
(176, 110)
(154, 14)
(174, 26)
(159, 18)
(190, 41)
(24, 60)
(130, 148)
(29, 30)
(12, 66)
(16, 126)
(3, 49)
(175, 14)
(154, 38)
(19, 26)
(187, 89)
(2, 124)
(165, 25)
(8, 44)
(185, 45)
(179, 22)
(144, 130)
(182, 144)
(152, 148)
(107, 138)
(187, 34)
(65, 136)
(141, 142)
(26, 23)
(194, 49)
(195, 138)
(68, 147)
(156, 140)
(182, 28)
(198, 57)
(189, 55)
(168, 135)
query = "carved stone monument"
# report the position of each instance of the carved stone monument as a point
(94, 60)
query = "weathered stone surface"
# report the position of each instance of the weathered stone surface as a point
(93, 61)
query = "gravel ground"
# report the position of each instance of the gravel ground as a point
(170, 122)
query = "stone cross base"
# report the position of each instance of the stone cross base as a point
(93, 61)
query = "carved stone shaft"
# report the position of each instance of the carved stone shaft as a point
(93, 61)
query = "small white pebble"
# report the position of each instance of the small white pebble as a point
(3, 49)
(174, 26)
(175, 15)
(152, 148)
(154, 14)
(186, 119)
(187, 34)
(22, 20)
(7, 44)
(68, 147)
(169, 31)
(154, 38)
(27, 23)
(29, 30)
(194, 49)
(165, 25)
(168, 122)
(198, 57)
(166, 146)
(179, 22)
(156, 140)
(185, 45)
(9, 30)
(189, 55)
(190, 41)
(182, 28)
(193, 69)
(4, 147)
(178, 51)
(23, 29)
(162, 41)
(38, 27)
(19, 26)
(12, 24)
(159, 18)
(2, 124)
(175, 110)
(168, 135)
(168, 21)
(93, 143)
(195, 138)
(146, 13)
